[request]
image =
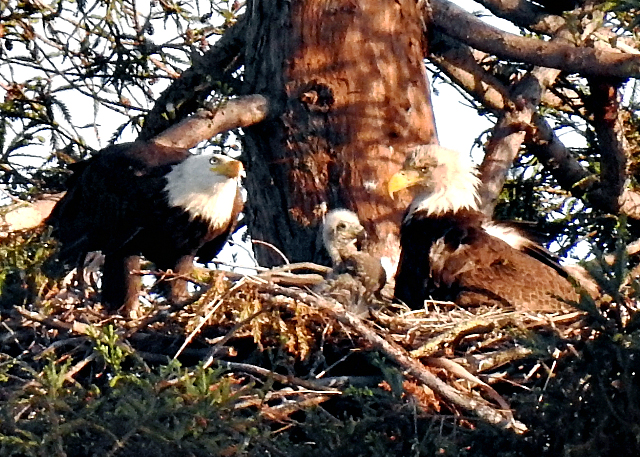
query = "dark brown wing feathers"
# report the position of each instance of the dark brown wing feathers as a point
(500, 274)
(452, 258)
(103, 208)
(116, 203)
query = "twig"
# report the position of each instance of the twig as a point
(355, 381)
(293, 279)
(304, 266)
(399, 356)
(214, 351)
(269, 245)
(219, 302)
(455, 334)
(70, 375)
(235, 265)
(165, 311)
(75, 327)
(280, 275)
(284, 410)
(461, 372)
(167, 275)
(288, 380)
(187, 341)
(490, 361)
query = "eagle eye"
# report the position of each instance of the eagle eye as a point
(341, 226)
(215, 160)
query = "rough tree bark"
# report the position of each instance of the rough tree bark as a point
(351, 78)
(346, 84)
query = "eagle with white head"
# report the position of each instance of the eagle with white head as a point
(450, 251)
(169, 213)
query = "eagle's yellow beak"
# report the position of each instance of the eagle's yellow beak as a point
(230, 169)
(402, 180)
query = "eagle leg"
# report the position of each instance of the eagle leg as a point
(178, 292)
(120, 287)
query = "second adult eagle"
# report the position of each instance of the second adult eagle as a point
(451, 252)
(172, 213)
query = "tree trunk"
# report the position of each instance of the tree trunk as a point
(352, 83)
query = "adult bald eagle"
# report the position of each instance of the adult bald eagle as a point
(357, 276)
(170, 213)
(451, 252)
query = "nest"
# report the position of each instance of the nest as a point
(443, 357)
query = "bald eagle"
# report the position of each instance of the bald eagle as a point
(169, 213)
(449, 251)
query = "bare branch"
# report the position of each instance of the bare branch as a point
(510, 132)
(456, 60)
(205, 124)
(531, 16)
(459, 24)
(525, 14)
(287, 380)
(186, 93)
(25, 216)
(605, 105)
(460, 63)
(500, 152)
(399, 356)
(554, 155)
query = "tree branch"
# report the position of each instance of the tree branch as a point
(604, 102)
(460, 63)
(25, 216)
(500, 152)
(457, 61)
(509, 133)
(400, 357)
(555, 156)
(230, 114)
(459, 24)
(525, 14)
(537, 19)
(185, 95)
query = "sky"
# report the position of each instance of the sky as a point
(458, 125)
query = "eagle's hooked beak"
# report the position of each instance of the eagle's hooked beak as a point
(230, 169)
(402, 180)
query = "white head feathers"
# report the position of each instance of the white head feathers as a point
(449, 182)
(205, 186)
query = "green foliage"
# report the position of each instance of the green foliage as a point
(168, 411)
(74, 74)
(173, 411)
(591, 407)
(22, 256)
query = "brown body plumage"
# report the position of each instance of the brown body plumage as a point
(171, 213)
(448, 253)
